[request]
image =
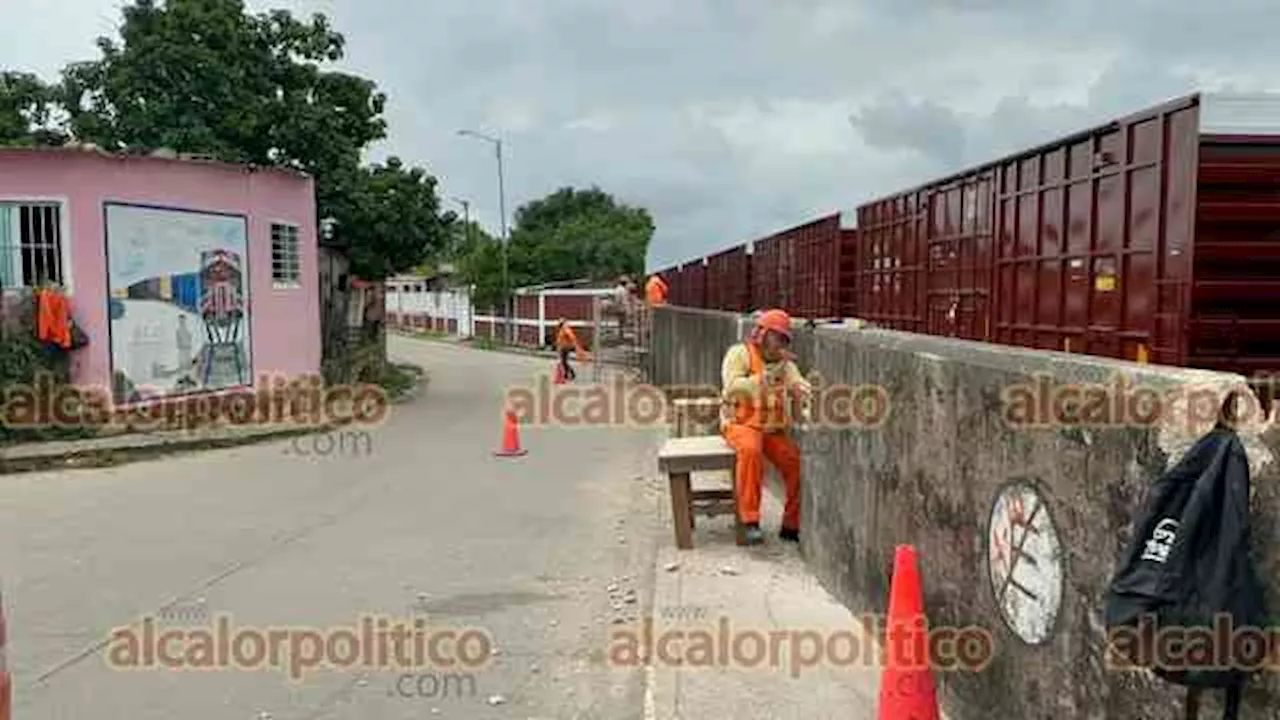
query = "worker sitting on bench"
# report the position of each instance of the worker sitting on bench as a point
(760, 381)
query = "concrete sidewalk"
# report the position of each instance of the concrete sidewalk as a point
(744, 595)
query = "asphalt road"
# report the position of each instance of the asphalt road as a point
(416, 517)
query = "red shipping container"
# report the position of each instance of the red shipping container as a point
(1150, 238)
(771, 268)
(675, 285)
(819, 255)
(729, 280)
(694, 278)
(847, 295)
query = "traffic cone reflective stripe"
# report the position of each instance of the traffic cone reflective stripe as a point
(510, 437)
(907, 690)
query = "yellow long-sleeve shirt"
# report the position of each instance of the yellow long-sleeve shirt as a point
(737, 382)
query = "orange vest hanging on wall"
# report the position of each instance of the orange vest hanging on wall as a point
(53, 318)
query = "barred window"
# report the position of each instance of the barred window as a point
(284, 255)
(30, 244)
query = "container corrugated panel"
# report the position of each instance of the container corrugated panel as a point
(847, 298)
(728, 280)
(1095, 239)
(694, 277)
(675, 285)
(958, 258)
(888, 285)
(1150, 238)
(766, 280)
(1235, 297)
(815, 274)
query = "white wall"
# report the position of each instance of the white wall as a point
(443, 305)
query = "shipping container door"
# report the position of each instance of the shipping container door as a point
(1102, 334)
(940, 268)
(974, 254)
(889, 285)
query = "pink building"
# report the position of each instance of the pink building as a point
(186, 275)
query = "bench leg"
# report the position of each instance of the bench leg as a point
(682, 509)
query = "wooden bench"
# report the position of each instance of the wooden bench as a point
(679, 458)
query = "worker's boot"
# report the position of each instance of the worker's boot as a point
(790, 534)
(751, 534)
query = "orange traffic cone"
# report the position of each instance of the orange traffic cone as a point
(907, 691)
(510, 438)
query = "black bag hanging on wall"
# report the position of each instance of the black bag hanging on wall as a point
(1188, 565)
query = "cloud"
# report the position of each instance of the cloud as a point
(730, 119)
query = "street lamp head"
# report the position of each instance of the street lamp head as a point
(480, 136)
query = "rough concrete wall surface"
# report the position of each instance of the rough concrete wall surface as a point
(952, 472)
(687, 346)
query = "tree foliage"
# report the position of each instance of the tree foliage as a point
(203, 76)
(393, 216)
(574, 234)
(206, 77)
(27, 106)
(478, 257)
(568, 235)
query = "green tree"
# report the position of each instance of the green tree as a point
(27, 107)
(479, 260)
(393, 219)
(204, 76)
(572, 234)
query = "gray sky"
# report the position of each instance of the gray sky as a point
(730, 119)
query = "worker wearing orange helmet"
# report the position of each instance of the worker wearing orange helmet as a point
(760, 380)
(655, 290)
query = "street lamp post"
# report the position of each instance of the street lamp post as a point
(502, 209)
(466, 218)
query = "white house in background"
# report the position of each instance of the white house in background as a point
(431, 302)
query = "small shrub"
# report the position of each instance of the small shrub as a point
(23, 363)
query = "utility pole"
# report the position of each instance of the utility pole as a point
(502, 210)
(466, 218)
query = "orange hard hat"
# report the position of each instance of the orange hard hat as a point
(776, 320)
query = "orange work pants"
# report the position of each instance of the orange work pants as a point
(753, 447)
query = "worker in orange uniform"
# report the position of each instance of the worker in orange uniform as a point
(656, 290)
(761, 386)
(567, 342)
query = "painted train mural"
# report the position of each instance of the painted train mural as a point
(215, 295)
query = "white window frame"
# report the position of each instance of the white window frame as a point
(64, 234)
(297, 248)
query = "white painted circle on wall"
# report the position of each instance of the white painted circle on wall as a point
(1025, 560)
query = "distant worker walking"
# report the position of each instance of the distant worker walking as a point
(761, 385)
(656, 290)
(567, 342)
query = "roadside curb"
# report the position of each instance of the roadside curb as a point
(132, 447)
(423, 379)
(119, 448)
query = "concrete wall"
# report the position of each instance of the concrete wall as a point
(448, 311)
(285, 320)
(930, 476)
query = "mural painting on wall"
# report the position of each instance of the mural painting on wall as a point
(179, 301)
(1024, 556)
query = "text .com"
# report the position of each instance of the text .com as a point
(340, 443)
